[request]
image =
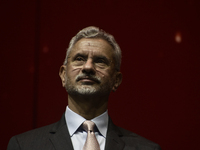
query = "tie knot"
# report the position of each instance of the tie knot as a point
(88, 125)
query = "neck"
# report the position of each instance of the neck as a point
(88, 107)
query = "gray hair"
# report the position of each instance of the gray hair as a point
(95, 32)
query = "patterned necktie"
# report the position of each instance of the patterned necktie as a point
(91, 141)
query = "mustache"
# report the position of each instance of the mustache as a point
(88, 76)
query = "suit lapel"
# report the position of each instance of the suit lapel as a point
(113, 140)
(60, 137)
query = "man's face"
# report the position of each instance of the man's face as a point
(91, 68)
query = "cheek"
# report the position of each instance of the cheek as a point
(73, 71)
(103, 73)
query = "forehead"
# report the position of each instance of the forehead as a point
(93, 46)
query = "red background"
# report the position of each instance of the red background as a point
(160, 93)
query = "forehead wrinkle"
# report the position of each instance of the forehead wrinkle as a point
(96, 42)
(88, 51)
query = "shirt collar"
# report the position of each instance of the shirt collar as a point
(101, 122)
(74, 121)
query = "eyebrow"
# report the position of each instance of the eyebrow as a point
(101, 57)
(94, 57)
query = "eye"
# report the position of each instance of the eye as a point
(100, 61)
(79, 58)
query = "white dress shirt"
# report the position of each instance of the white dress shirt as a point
(78, 135)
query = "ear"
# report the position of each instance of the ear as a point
(62, 74)
(118, 81)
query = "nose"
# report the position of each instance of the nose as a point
(88, 67)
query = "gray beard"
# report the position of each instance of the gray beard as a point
(88, 89)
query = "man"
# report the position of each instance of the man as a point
(91, 70)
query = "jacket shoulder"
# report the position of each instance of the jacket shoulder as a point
(134, 140)
(35, 139)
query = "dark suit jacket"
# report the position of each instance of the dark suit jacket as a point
(56, 137)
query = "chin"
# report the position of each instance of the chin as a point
(87, 90)
(82, 90)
